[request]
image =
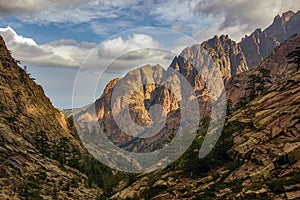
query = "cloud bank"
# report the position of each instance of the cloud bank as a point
(238, 17)
(63, 53)
(123, 52)
(199, 18)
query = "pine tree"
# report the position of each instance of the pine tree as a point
(30, 189)
(294, 57)
(74, 158)
(252, 82)
(242, 102)
(63, 145)
(61, 151)
(264, 79)
(229, 109)
(41, 143)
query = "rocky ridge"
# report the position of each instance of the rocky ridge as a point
(25, 111)
(227, 54)
(231, 58)
(277, 63)
(261, 43)
(261, 141)
(223, 52)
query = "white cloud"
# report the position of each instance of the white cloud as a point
(205, 18)
(242, 16)
(178, 27)
(10, 35)
(75, 16)
(8, 7)
(170, 11)
(199, 18)
(106, 28)
(234, 32)
(178, 15)
(118, 46)
(63, 53)
(181, 16)
(63, 11)
(122, 53)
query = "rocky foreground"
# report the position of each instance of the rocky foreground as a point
(262, 158)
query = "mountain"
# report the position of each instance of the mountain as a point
(40, 150)
(284, 26)
(248, 161)
(263, 157)
(224, 53)
(154, 85)
(257, 156)
(158, 90)
(261, 43)
(277, 63)
(229, 57)
(227, 54)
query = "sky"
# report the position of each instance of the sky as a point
(59, 39)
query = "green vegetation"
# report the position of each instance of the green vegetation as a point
(41, 143)
(229, 107)
(191, 165)
(62, 151)
(68, 155)
(263, 80)
(294, 57)
(256, 86)
(71, 126)
(30, 189)
(277, 186)
(252, 82)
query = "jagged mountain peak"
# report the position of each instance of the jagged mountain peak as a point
(284, 26)
(222, 42)
(257, 156)
(110, 85)
(229, 57)
(262, 42)
(227, 54)
(276, 62)
(285, 17)
(221, 38)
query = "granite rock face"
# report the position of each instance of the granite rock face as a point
(25, 110)
(276, 63)
(261, 43)
(227, 54)
(231, 59)
(264, 155)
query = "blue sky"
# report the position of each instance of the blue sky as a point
(53, 37)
